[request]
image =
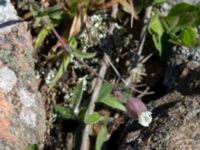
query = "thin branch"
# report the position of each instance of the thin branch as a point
(91, 107)
(112, 65)
(142, 37)
(118, 74)
(145, 92)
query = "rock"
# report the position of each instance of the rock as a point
(176, 126)
(178, 60)
(183, 1)
(22, 116)
(176, 119)
(8, 16)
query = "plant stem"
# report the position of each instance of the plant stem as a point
(91, 107)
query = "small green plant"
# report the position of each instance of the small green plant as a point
(47, 19)
(79, 113)
(178, 27)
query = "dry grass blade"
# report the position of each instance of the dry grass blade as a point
(78, 21)
(128, 6)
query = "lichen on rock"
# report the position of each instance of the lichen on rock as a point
(22, 114)
(8, 79)
(177, 127)
(26, 98)
(28, 117)
(16, 51)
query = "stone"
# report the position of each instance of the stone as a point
(8, 16)
(176, 125)
(176, 119)
(22, 113)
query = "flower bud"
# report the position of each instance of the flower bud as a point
(118, 94)
(137, 110)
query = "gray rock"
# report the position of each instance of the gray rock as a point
(176, 120)
(185, 1)
(22, 113)
(8, 16)
(176, 126)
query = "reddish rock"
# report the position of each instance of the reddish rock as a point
(22, 114)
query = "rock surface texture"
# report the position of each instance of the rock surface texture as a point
(177, 125)
(176, 119)
(22, 116)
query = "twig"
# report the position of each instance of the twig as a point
(142, 37)
(145, 92)
(95, 94)
(93, 71)
(113, 67)
(118, 74)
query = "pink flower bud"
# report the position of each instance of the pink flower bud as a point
(137, 110)
(118, 94)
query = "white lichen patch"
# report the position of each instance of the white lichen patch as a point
(8, 79)
(28, 117)
(26, 98)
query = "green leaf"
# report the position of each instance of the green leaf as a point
(49, 11)
(92, 118)
(181, 8)
(72, 42)
(188, 14)
(188, 37)
(156, 30)
(186, 19)
(32, 147)
(32, 10)
(61, 70)
(80, 54)
(81, 114)
(101, 138)
(56, 15)
(104, 92)
(127, 94)
(63, 112)
(77, 95)
(112, 102)
(37, 22)
(169, 23)
(159, 1)
(41, 36)
(54, 56)
(73, 7)
(197, 18)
